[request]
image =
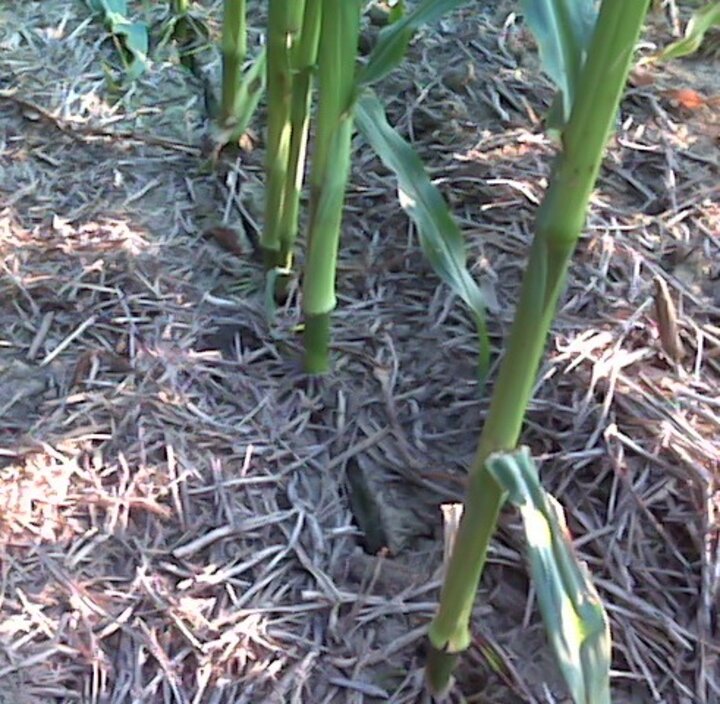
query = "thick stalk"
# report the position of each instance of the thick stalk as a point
(284, 24)
(559, 223)
(234, 50)
(304, 67)
(337, 54)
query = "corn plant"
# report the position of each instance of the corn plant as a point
(293, 34)
(337, 52)
(328, 36)
(591, 78)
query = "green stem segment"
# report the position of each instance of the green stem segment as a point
(304, 62)
(284, 25)
(337, 54)
(560, 221)
(234, 50)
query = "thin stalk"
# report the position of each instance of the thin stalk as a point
(559, 223)
(284, 25)
(180, 7)
(304, 68)
(234, 50)
(337, 55)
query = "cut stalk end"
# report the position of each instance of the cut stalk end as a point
(317, 343)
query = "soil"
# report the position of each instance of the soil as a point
(179, 512)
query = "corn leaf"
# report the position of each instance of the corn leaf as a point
(440, 237)
(563, 30)
(133, 36)
(574, 616)
(393, 40)
(704, 19)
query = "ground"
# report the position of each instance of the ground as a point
(176, 499)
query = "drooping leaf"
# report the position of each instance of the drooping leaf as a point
(575, 620)
(563, 30)
(393, 40)
(702, 20)
(440, 237)
(133, 36)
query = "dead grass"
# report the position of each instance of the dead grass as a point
(174, 514)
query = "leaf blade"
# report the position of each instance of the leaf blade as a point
(394, 39)
(700, 23)
(440, 237)
(563, 30)
(574, 617)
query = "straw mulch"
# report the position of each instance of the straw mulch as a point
(175, 497)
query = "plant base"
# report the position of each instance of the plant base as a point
(317, 342)
(438, 670)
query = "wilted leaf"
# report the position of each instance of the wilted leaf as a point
(440, 236)
(575, 620)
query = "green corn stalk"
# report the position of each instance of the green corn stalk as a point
(284, 26)
(559, 223)
(234, 50)
(337, 54)
(574, 616)
(303, 66)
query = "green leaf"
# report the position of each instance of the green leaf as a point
(704, 19)
(393, 40)
(440, 236)
(563, 30)
(575, 619)
(133, 36)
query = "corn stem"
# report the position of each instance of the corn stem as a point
(560, 220)
(337, 54)
(304, 62)
(234, 50)
(284, 25)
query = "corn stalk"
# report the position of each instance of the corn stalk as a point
(337, 54)
(284, 26)
(303, 64)
(558, 226)
(234, 50)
